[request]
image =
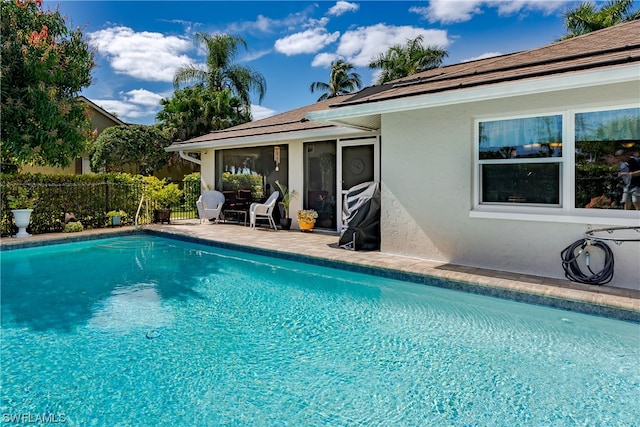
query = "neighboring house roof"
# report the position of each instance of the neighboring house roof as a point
(282, 126)
(589, 55)
(102, 111)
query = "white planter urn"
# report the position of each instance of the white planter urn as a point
(22, 218)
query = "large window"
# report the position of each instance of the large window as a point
(605, 141)
(571, 160)
(252, 168)
(520, 161)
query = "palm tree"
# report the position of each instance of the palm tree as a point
(584, 18)
(220, 72)
(341, 81)
(402, 61)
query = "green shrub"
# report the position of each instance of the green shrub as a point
(159, 192)
(88, 197)
(235, 182)
(73, 227)
(191, 190)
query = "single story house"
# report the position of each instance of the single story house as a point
(498, 163)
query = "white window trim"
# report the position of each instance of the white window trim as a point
(566, 212)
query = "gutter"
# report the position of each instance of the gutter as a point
(189, 158)
(482, 92)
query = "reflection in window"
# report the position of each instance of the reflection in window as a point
(537, 183)
(605, 141)
(520, 160)
(252, 168)
(320, 181)
(524, 138)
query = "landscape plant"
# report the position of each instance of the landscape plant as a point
(20, 197)
(307, 215)
(73, 227)
(136, 147)
(342, 80)
(287, 197)
(220, 73)
(408, 59)
(88, 197)
(158, 191)
(45, 65)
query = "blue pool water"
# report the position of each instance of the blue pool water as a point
(151, 331)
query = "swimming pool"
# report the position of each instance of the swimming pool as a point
(144, 330)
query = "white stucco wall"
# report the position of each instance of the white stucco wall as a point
(207, 167)
(427, 179)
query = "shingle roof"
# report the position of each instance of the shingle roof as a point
(287, 122)
(609, 47)
(618, 45)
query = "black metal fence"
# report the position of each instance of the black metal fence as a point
(89, 203)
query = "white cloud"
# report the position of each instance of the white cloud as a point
(324, 59)
(252, 56)
(447, 11)
(309, 41)
(483, 56)
(143, 55)
(515, 6)
(360, 46)
(264, 24)
(134, 105)
(259, 112)
(143, 97)
(122, 109)
(342, 7)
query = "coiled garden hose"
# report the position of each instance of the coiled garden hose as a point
(572, 270)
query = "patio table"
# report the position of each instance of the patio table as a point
(236, 213)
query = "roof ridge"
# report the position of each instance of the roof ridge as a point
(528, 52)
(519, 65)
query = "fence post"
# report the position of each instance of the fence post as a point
(107, 195)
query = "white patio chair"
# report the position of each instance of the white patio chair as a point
(264, 210)
(210, 205)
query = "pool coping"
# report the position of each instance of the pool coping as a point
(609, 302)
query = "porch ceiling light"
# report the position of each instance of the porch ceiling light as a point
(276, 157)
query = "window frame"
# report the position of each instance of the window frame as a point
(566, 211)
(478, 204)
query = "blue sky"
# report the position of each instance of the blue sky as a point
(140, 44)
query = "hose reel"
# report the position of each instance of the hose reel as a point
(583, 247)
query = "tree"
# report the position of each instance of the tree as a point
(402, 61)
(341, 81)
(195, 111)
(220, 72)
(138, 146)
(45, 65)
(585, 18)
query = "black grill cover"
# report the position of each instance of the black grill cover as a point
(361, 218)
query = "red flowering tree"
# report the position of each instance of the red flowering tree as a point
(45, 65)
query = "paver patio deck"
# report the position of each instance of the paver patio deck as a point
(322, 248)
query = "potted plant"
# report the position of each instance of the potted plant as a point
(307, 219)
(21, 202)
(115, 217)
(287, 197)
(164, 195)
